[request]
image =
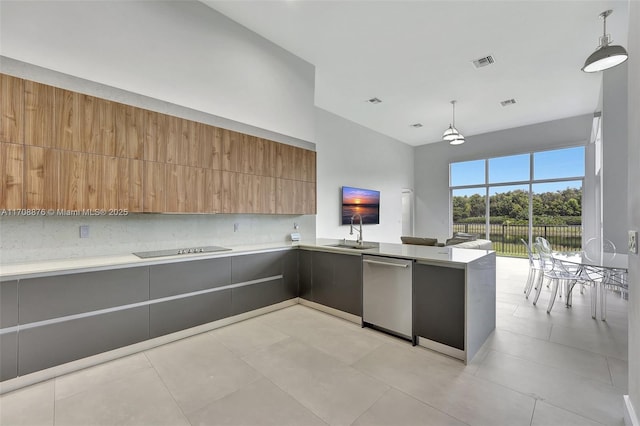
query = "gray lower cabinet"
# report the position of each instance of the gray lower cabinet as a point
(180, 279)
(305, 258)
(439, 304)
(271, 278)
(8, 355)
(8, 338)
(336, 281)
(58, 296)
(54, 344)
(47, 339)
(66, 317)
(180, 314)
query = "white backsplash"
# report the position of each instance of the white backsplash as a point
(28, 239)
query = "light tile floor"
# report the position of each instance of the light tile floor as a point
(298, 366)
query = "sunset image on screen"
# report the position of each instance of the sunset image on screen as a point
(364, 202)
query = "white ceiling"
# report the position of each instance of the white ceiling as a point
(416, 57)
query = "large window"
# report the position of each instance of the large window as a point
(523, 196)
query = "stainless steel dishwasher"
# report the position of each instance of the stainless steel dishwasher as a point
(387, 294)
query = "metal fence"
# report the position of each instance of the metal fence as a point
(506, 238)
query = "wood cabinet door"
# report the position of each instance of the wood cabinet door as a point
(245, 193)
(39, 117)
(295, 197)
(129, 131)
(185, 189)
(308, 165)
(11, 109)
(209, 146)
(155, 136)
(154, 197)
(11, 173)
(213, 191)
(42, 178)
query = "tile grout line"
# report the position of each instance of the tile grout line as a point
(533, 412)
(153, 367)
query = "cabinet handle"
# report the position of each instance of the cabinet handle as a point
(397, 265)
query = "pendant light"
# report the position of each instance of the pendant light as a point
(452, 135)
(606, 55)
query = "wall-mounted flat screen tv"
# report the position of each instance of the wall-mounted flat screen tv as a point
(364, 202)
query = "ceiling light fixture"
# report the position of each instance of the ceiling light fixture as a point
(606, 55)
(452, 135)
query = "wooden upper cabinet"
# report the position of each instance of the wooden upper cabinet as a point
(129, 131)
(295, 163)
(11, 173)
(245, 193)
(42, 178)
(185, 189)
(84, 152)
(97, 122)
(213, 194)
(11, 109)
(39, 114)
(232, 146)
(309, 166)
(248, 154)
(210, 146)
(155, 136)
(154, 185)
(295, 197)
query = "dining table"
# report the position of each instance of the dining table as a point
(601, 269)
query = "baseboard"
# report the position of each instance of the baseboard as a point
(630, 417)
(331, 311)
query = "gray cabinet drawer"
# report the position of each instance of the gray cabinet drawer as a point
(179, 314)
(8, 304)
(8, 355)
(250, 267)
(186, 277)
(49, 345)
(255, 296)
(58, 296)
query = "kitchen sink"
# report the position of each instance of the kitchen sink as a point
(355, 245)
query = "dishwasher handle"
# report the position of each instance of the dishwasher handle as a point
(377, 262)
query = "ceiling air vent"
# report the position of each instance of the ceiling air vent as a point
(416, 125)
(374, 101)
(508, 102)
(483, 62)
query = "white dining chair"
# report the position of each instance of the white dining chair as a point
(534, 269)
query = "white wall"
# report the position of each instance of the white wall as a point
(633, 208)
(212, 64)
(351, 155)
(614, 156)
(432, 163)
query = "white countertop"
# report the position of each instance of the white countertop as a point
(439, 255)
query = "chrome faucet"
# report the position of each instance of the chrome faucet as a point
(359, 239)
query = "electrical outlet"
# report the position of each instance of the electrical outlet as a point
(236, 226)
(295, 225)
(84, 231)
(633, 242)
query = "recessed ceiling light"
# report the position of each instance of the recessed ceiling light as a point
(507, 102)
(484, 61)
(374, 101)
(416, 125)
